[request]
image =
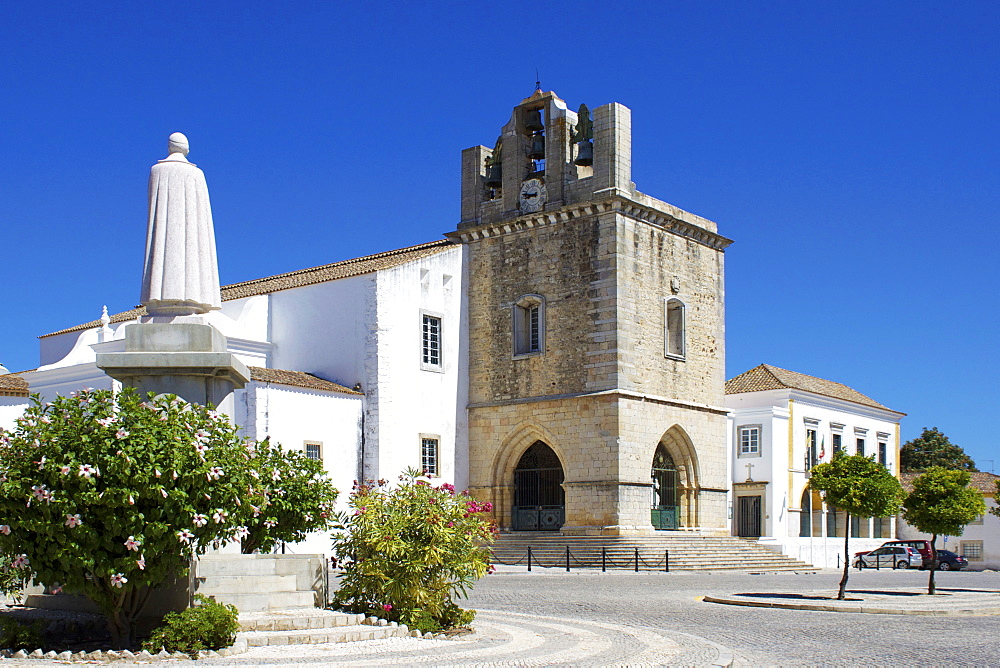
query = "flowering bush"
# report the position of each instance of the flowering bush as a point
(409, 550)
(294, 494)
(207, 626)
(110, 495)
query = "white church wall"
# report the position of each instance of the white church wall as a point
(295, 416)
(414, 400)
(11, 408)
(320, 329)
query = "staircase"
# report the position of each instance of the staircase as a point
(687, 552)
(309, 627)
(262, 582)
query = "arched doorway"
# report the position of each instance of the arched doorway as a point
(664, 512)
(539, 499)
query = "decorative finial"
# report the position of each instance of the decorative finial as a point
(538, 82)
(178, 144)
(105, 318)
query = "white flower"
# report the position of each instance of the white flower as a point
(104, 422)
(276, 476)
(201, 435)
(121, 433)
(86, 471)
(64, 470)
(20, 561)
(163, 492)
(45, 419)
(200, 520)
(5, 529)
(219, 516)
(118, 579)
(141, 563)
(270, 524)
(216, 472)
(184, 536)
(242, 532)
(132, 544)
(308, 517)
(73, 521)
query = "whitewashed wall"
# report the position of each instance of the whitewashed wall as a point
(11, 408)
(291, 416)
(404, 400)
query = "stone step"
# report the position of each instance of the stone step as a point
(291, 620)
(239, 584)
(323, 635)
(269, 601)
(209, 567)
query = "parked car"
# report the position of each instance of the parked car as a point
(889, 556)
(949, 561)
(921, 546)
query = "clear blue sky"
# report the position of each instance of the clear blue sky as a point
(849, 148)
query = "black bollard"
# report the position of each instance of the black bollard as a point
(567, 558)
(604, 560)
(666, 561)
(636, 560)
(529, 558)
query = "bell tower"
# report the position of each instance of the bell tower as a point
(595, 325)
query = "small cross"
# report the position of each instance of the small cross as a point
(749, 472)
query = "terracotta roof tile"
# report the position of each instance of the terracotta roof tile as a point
(297, 279)
(12, 385)
(984, 481)
(767, 377)
(297, 379)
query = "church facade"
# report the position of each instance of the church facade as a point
(561, 353)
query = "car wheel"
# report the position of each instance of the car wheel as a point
(944, 566)
(859, 564)
(902, 564)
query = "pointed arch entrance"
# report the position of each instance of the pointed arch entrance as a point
(664, 509)
(675, 482)
(539, 498)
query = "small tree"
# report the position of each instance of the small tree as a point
(294, 495)
(932, 448)
(408, 550)
(109, 495)
(859, 486)
(941, 503)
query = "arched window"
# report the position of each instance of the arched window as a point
(529, 325)
(805, 513)
(673, 329)
(665, 497)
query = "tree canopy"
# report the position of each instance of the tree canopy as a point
(859, 486)
(942, 503)
(932, 448)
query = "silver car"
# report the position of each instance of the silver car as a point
(890, 556)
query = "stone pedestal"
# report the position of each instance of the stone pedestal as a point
(189, 359)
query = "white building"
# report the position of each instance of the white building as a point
(781, 424)
(357, 363)
(980, 541)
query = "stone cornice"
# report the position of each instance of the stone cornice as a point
(625, 394)
(615, 203)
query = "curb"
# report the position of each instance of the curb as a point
(872, 610)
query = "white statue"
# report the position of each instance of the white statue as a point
(181, 271)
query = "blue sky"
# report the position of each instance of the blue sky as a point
(849, 148)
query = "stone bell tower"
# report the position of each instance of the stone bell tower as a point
(596, 333)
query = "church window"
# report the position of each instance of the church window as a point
(750, 440)
(430, 342)
(673, 329)
(429, 454)
(529, 325)
(314, 450)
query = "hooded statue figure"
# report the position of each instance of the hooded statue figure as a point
(181, 271)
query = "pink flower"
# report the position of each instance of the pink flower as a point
(184, 536)
(163, 492)
(121, 433)
(5, 529)
(387, 607)
(57, 590)
(215, 473)
(200, 520)
(20, 561)
(132, 544)
(219, 516)
(270, 524)
(73, 521)
(86, 471)
(141, 563)
(64, 470)
(118, 579)
(242, 532)
(307, 517)
(104, 422)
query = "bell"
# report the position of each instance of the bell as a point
(584, 153)
(533, 121)
(537, 150)
(494, 176)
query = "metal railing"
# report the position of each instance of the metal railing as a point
(623, 558)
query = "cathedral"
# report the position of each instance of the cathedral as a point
(560, 353)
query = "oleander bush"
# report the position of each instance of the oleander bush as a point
(409, 550)
(16, 635)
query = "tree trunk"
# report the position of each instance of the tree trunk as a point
(847, 559)
(930, 581)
